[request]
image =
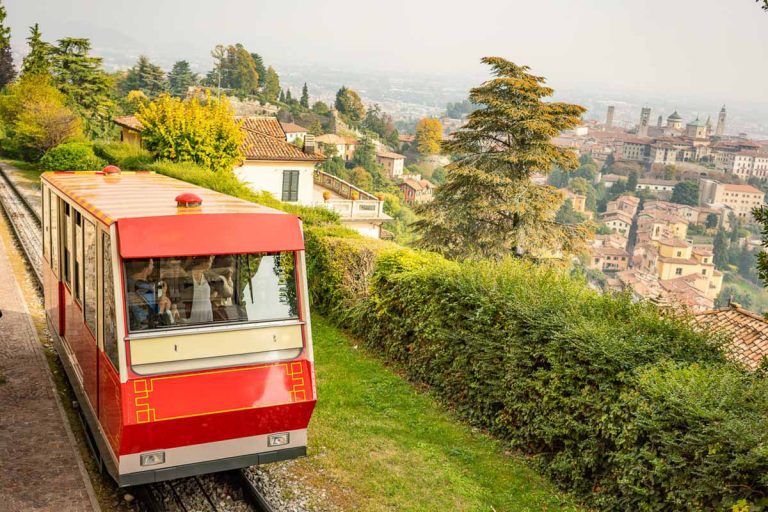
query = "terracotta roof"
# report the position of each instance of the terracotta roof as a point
(258, 146)
(293, 128)
(610, 251)
(406, 138)
(627, 199)
(748, 332)
(389, 154)
(620, 214)
(265, 125)
(730, 187)
(129, 122)
(417, 185)
(651, 181)
(674, 242)
(679, 261)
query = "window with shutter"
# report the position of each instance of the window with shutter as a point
(290, 186)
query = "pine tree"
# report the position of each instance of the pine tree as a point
(305, 96)
(87, 87)
(282, 96)
(7, 71)
(146, 77)
(260, 69)
(181, 78)
(288, 97)
(720, 249)
(489, 207)
(38, 60)
(632, 181)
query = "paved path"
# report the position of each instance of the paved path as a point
(40, 469)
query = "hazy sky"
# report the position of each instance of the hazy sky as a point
(705, 48)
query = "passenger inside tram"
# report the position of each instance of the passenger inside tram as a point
(175, 292)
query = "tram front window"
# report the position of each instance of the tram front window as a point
(164, 293)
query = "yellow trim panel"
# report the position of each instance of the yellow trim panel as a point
(215, 344)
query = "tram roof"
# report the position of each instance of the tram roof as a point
(111, 197)
(151, 224)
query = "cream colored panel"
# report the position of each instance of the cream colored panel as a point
(214, 344)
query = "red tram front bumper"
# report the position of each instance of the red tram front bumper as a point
(214, 420)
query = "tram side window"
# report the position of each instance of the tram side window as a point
(46, 226)
(90, 275)
(78, 277)
(110, 329)
(66, 235)
(53, 207)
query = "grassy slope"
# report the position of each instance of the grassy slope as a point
(387, 446)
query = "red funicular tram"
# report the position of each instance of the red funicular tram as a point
(182, 319)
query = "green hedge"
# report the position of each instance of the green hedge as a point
(630, 409)
(128, 157)
(72, 156)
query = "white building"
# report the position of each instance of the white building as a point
(294, 132)
(393, 163)
(274, 165)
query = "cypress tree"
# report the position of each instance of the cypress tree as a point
(305, 96)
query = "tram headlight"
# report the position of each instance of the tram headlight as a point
(281, 439)
(152, 458)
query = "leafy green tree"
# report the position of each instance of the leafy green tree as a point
(7, 71)
(488, 206)
(567, 215)
(381, 124)
(587, 171)
(460, 109)
(304, 96)
(558, 178)
(242, 75)
(712, 221)
(429, 135)
(632, 182)
(146, 77)
(669, 172)
(320, 108)
(87, 87)
(181, 78)
(203, 132)
(361, 178)
(38, 60)
(272, 88)
(260, 69)
(36, 117)
(579, 186)
(609, 161)
(349, 104)
(686, 192)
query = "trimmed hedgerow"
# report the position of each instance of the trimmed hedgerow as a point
(628, 408)
(128, 157)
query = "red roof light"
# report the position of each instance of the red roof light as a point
(188, 199)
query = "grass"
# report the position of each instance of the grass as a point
(758, 295)
(385, 445)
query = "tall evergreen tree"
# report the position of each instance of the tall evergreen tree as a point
(146, 77)
(260, 69)
(38, 60)
(288, 97)
(7, 71)
(181, 78)
(304, 96)
(489, 207)
(87, 87)
(281, 98)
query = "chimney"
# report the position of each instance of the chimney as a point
(310, 146)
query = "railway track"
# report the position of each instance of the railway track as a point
(222, 492)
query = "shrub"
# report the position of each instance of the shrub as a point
(629, 408)
(128, 157)
(72, 156)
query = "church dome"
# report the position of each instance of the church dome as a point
(675, 117)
